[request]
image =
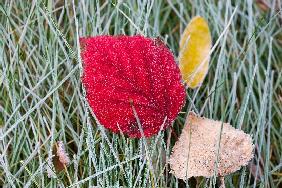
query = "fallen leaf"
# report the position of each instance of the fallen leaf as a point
(263, 5)
(61, 159)
(121, 71)
(195, 153)
(195, 45)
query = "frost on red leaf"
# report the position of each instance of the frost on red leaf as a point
(121, 71)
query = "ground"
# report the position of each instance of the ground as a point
(42, 98)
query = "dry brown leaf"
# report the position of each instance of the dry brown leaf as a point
(201, 135)
(61, 158)
(263, 5)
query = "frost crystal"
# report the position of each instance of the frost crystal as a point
(61, 153)
(49, 166)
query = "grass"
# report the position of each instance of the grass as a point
(42, 100)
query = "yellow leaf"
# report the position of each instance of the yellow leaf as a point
(195, 45)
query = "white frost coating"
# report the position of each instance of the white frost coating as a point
(62, 154)
(201, 135)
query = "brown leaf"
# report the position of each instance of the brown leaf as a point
(263, 5)
(60, 159)
(195, 153)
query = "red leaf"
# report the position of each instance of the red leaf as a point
(120, 69)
